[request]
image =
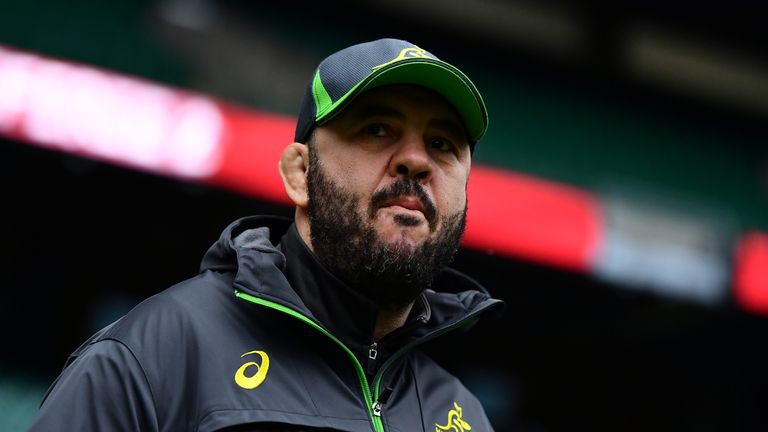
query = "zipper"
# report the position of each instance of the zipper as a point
(379, 404)
(373, 352)
(370, 402)
(375, 406)
(380, 401)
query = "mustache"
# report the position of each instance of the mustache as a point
(405, 187)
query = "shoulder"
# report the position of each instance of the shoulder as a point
(176, 339)
(165, 332)
(179, 308)
(102, 387)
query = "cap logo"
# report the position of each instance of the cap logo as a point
(406, 53)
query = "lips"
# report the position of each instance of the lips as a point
(407, 194)
(408, 203)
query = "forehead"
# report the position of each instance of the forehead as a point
(405, 100)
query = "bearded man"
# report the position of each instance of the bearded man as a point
(316, 323)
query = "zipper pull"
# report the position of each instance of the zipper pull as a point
(379, 404)
(373, 352)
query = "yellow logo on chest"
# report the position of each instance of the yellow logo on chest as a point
(255, 380)
(455, 422)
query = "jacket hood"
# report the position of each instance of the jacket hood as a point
(222, 255)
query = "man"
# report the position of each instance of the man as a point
(316, 324)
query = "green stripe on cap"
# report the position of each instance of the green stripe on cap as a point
(323, 100)
(434, 74)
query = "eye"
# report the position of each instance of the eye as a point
(377, 130)
(441, 144)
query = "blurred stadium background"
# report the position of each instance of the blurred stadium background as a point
(619, 203)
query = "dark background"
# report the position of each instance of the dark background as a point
(85, 241)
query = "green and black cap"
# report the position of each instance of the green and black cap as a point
(349, 72)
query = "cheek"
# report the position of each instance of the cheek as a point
(364, 178)
(453, 197)
(349, 172)
(359, 183)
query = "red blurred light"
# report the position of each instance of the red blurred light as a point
(106, 116)
(522, 216)
(750, 282)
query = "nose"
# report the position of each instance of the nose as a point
(411, 160)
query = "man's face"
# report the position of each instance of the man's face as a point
(387, 191)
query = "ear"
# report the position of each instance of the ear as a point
(293, 167)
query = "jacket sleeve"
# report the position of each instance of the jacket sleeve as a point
(103, 389)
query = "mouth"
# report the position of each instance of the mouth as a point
(408, 203)
(409, 211)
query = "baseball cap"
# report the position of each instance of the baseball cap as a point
(349, 72)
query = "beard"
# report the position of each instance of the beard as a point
(347, 244)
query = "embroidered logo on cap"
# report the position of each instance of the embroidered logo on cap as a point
(406, 53)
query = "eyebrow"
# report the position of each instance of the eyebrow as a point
(448, 126)
(372, 110)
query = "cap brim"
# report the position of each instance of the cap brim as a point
(439, 76)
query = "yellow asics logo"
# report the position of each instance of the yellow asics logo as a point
(413, 52)
(255, 380)
(455, 422)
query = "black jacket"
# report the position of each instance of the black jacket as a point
(236, 348)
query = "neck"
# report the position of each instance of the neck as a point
(302, 226)
(390, 320)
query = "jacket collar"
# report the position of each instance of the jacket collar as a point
(346, 313)
(255, 248)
